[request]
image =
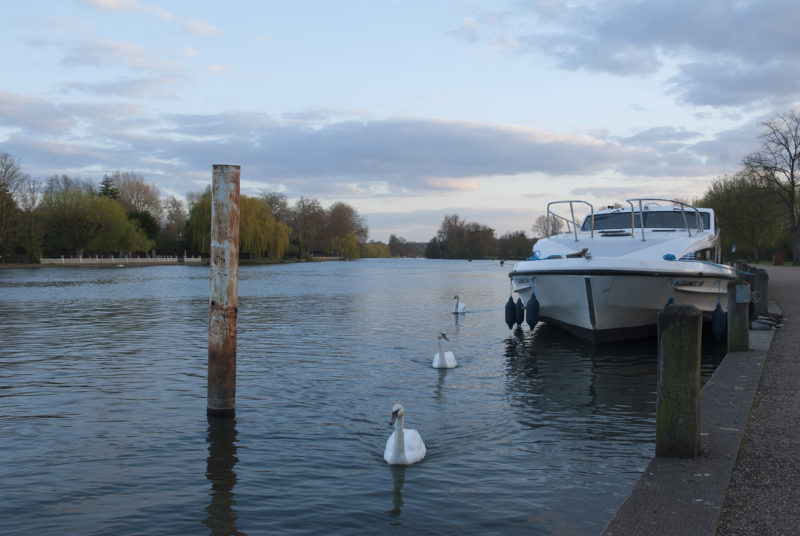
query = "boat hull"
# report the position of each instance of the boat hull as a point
(609, 305)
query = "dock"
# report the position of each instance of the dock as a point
(745, 480)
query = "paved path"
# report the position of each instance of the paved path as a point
(747, 478)
(764, 492)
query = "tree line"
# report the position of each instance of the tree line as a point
(125, 215)
(758, 210)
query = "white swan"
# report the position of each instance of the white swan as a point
(459, 307)
(404, 446)
(442, 359)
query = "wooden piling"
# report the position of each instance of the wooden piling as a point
(738, 316)
(678, 403)
(223, 304)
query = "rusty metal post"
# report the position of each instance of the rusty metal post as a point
(224, 300)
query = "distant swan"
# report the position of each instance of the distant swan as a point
(404, 446)
(459, 307)
(442, 359)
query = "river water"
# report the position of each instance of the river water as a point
(103, 399)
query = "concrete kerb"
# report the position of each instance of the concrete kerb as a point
(685, 496)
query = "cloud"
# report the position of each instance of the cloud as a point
(33, 114)
(724, 53)
(333, 154)
(128, 5)
(200, 28)
(467, 32)
(104, 53)
(158, 88)
(219, 68)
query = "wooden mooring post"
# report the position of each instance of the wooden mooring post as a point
(224, 300)
(678, 403)
(738, 316)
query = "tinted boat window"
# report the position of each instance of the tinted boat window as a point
(652, 220)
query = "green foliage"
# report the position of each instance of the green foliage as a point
(514, 245)
(78, 221)
(108, 189)
(748, 213)
(777, 164)
(260, 235)
(434, 249)
(375, 250)
(146, 222)
(399, 247)
(111, 230)
(457, 239)
(346, 246)
(198, 226)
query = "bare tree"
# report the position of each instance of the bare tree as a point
(308, 222)
(30, 195)
(277, 204)
(11, 177)
(175, 215)
(778, 164)
(540, 228)
(136, 195)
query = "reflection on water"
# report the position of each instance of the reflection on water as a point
(220, 513)
(398, 479)
(535, 432)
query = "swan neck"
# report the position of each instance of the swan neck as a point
(399, 439)
(441, 353)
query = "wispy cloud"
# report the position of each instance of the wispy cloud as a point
(200, 28)
(219, 68)
(164, 87)
(102, 53)
(129, 6)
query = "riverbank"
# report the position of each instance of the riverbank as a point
(145, 261)
(744, 481)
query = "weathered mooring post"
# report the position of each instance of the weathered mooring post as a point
(738, 316)
(224, 299)
(678, 403)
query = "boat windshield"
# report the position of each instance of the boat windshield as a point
(652, 220)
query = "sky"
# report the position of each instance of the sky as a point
(408, 110)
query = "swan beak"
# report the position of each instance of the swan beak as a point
(394, 418)
(445, 337)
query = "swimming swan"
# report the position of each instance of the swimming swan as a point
(459, 307)
(404, 446)
(442, 359)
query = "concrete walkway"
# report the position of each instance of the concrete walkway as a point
(764, 492)
(752, 490)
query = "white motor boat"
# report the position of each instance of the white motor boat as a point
(607, 278)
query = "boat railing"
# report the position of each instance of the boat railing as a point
(643, 206)
(572, 224)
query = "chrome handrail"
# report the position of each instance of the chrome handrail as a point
(683, 206)
(570, 222)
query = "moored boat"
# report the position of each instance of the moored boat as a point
(606, 278)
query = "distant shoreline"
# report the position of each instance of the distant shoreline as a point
(130, 263)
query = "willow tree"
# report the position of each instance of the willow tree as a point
(346, 246)
(259, 234)
(198, 226)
